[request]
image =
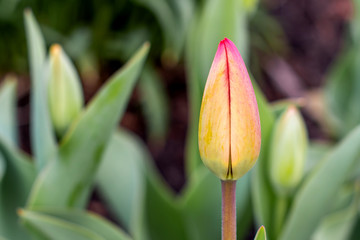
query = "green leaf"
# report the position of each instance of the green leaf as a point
(201, 204)
(263, 196)
(261, 234)
(355, 30)
(2, 167)
(324, 183)
(154, 105)
(356, 233)
(81, 149)
(217, 19)
(342, 90)
(339, 224)
(123, 163)
(14, 189)
(45, 227)
(8, 127)
(42, 136)
(174, 17)
(60, 221)
(8, 122)
(316, 152)
(153, 215)
(163, 214)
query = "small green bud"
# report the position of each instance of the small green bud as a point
(261, 234)
(288, 151)
(65, 95)
(250, 5)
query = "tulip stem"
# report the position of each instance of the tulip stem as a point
(280, 214)
(228, 188)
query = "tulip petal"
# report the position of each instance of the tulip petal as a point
(245, 120)
(214, 123)
(229, 126)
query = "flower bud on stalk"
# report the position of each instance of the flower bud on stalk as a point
(65, 95)
(288, 151)
(229, 125)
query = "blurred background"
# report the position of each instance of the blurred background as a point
(290, 47)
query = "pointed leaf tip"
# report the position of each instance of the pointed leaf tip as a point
(261, 234)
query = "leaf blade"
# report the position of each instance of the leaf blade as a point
(87, 220)
(123, 163)
(14, 189)
(307, 211)
(82, 147)
(42, 136)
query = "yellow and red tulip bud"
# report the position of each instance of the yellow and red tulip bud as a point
(229, 125)
(65, 95)
(288, 151)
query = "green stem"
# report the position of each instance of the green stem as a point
(228, 210)
(280, 213)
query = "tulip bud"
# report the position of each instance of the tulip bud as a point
(250, 5)
(65, 95)
(261, 234)
(288, 151)
(229, 125)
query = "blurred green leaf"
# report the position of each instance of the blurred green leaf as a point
(7, 9)
(261, 234)
(125, 43)
(82, 147)
(14, 189)
(123, 163)
(344, 197)
(174, 17)
(267, 35)
(342, 90)
(8, 127)
(55, 224)
(215, 20)
(339, 224)
(153, 215)
(356, 233)
(201, 203)
(163, 214)
(316, 152)
(2, 167)
(324, 183)
(355, 21)
(45, 227)
(262, 195)
(8, 120)
(77, 44)
(42, 136)
(155, 105)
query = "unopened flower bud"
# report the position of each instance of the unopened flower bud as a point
(65, 95)
(250, 5)
(229, 125)
(288, 151)
(261, 234)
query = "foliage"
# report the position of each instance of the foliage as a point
(49, 191)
